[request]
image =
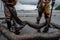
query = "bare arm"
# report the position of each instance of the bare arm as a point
(38, 3)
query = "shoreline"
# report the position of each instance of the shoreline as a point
(31, 14)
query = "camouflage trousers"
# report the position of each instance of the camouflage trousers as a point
(9, 18)
(8, 15)
(44, 10)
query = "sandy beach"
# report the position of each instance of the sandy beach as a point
(32, 17)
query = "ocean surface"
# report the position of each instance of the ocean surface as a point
(27, 29)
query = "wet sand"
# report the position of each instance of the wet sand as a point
(32, 17)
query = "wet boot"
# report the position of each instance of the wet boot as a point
(8, 25)
(17, 31)
(48, 25)
(46, 29)
(15, 27)
(38, 19)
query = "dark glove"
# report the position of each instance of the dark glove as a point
(52, 4)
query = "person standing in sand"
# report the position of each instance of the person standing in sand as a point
(10, 13)
(44, 7)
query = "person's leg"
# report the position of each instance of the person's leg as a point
(47, 22)
(8, 17)
(39, 18)
(8, 24)
(13, 12)
(15, 27)
(47, 17)
(14, 22)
